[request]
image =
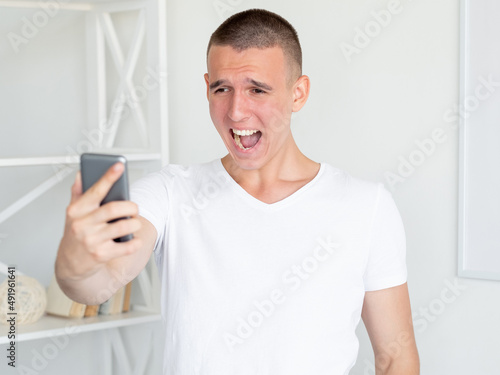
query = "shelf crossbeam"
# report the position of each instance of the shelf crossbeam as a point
(67, 160)
(80, 6)
(53, 326)
(125, 68)
(118, 349)
(35, 193)
(4, 268)
(83, 6)
(115, 343)
(39, 160)
(96, 73)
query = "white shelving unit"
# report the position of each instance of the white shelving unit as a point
(105, 108)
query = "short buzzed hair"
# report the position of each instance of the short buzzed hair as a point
(259, 28)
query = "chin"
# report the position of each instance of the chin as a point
(246, 164)
(251, 159)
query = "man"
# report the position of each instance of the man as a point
(267, 259)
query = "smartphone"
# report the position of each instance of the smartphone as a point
(93, 166)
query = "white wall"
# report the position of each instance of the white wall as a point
(362, 116)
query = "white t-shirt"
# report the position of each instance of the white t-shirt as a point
(268, 289)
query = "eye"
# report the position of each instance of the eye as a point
(258, 91)
(220, 90)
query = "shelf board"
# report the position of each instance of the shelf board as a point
(53, 326)
(76, 5)
(75, 159)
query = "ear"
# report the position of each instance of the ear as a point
(300, 93)
(208, 84)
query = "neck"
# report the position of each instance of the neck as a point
(288, 165)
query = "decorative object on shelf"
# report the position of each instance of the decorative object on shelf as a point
(58, 303)
(30, 300)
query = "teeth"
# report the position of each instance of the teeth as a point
(238, 142)
(238, 133)
(244, 132)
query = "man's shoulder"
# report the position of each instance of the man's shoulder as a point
(194, 176)
(193, 170)
(347, 183)
(173, 174)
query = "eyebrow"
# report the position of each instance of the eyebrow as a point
(217, 83)
(259, 84)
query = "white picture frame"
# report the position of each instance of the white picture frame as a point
(478, 115)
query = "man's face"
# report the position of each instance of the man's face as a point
(250, 92)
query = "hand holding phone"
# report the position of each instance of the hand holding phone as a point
(88, 261)
(93, 166)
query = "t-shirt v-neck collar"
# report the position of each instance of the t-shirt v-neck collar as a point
(257, 203)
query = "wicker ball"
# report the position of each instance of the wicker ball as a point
(30, 300)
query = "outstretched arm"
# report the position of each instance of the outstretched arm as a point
(387, 317)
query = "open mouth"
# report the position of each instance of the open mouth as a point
(246, 139)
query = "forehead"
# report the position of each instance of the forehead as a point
(266, 62)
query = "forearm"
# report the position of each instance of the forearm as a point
(92, 289)
(400, 370)
(404, 364)
(387, 317)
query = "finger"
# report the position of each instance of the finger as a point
(114, 210)
(120, 228)
(76, 189)
(92, 225)
(97, 234)
(96, 193)
(112, 250)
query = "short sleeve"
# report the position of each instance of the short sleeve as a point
(150, 193)
(386, 266)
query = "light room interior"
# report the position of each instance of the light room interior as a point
(405, 93)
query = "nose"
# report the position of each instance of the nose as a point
(239, 108)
